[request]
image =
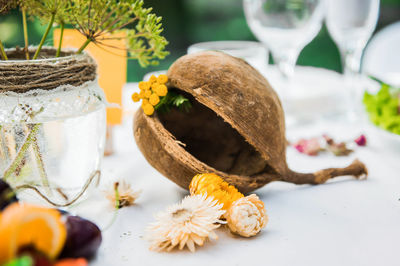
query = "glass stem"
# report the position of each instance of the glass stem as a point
(286, 61)
(351, 61)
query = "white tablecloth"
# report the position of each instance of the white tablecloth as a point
(343, 222)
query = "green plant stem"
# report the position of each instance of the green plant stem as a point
(61, 39)
(44, 36)
(2, 52)
(25, 25)
(84, 45)
(22, 151)
(2, 152)
(40, 165)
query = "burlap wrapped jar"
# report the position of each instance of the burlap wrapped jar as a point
(52, 124)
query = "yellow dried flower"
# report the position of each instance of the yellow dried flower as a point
(148, 109)
(188, 223)
(141, 95)
(144, 85)
(162, 79)
(147, 93)
(154, 85)
(161, 90)
(154, 99)
(136, 97)
(150, 93)
(144, 102)
(213, 185)
(247, 216)
(153, 79)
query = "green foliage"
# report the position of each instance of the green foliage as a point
(384, 108)
(97, 19)
(173, 100)
(46, 9)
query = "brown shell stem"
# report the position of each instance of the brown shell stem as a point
(356, 169)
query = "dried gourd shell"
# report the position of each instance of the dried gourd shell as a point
(235, 128)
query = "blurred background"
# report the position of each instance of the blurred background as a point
(190, 21)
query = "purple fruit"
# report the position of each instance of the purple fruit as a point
(7, 195)
(83, 238)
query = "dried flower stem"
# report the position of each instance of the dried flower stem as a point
(62, 26)
(84, 45)
(2, 52)
(95, 174)
(25, 25)
(116, 191)
(22, 151)
(2, 152)
(44, 36)
(40, 165)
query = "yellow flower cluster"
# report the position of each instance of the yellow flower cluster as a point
(216, 187)
(150, 92)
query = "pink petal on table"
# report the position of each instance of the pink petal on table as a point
(361, 140)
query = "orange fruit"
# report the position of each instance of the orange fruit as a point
(24, 225)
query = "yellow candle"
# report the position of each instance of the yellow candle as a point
(112, 65)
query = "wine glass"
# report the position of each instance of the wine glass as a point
(351, 24)
(285, 27)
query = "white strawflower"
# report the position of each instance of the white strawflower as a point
(188, 223)
(247, 216)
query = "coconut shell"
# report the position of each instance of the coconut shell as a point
(235, 128)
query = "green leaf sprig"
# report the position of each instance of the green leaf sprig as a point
(173, 99)
(384, 107)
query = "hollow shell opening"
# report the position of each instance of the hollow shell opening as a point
(213, 141)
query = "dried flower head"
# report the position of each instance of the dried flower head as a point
(214, 186)
(98, 19)
(188, 223)
(121, 194)
(7, 5)
(47, 10)
(337, 148)
(247, 216)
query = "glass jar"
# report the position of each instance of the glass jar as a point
(52, 139)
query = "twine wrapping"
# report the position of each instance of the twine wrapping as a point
(19, 75)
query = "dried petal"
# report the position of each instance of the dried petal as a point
(361, 140)
(310, 147)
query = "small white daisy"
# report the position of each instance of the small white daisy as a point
(121, 194)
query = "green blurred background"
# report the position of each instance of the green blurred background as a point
(191, 21)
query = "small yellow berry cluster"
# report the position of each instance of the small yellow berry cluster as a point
(150, 92)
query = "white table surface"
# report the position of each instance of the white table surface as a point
(343, 222)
